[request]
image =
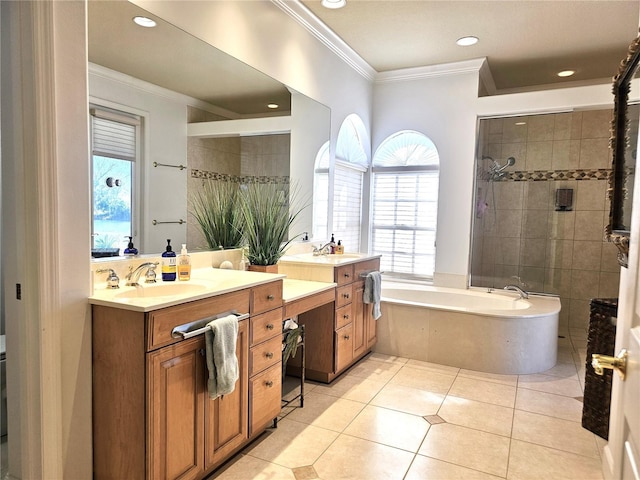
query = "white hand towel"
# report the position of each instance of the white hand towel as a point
(222, 362)
(372, 292)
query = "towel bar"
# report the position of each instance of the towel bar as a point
(201, 326)
(364, 274)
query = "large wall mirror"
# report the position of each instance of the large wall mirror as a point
(624, 145)
(158, 82)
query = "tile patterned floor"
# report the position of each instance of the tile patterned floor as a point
(395, 418)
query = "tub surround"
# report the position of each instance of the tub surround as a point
(486, 332)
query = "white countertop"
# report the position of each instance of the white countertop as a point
(296, 289)
(330, 260)
(204, 283)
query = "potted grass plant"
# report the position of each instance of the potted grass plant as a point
(268, 212)
(216, 208)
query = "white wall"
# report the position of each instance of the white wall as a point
(443, 107)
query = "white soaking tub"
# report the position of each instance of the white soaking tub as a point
(496, 332)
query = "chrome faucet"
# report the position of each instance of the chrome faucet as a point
(134, 275)
(321, 250)
(516, 288)
(112, 280)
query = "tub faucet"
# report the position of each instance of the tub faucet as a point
(134, 275)
(516, 288)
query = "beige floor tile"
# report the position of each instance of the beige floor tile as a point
(408, 400)
(559, 406)
(534, 462)
(434, 367)
(375, 370)
(511, 380)
(481, 416)
(351, 387)
(325, 411)
(554, 433)
(482, 391)
(569, 387)
(562, 370)
(381, 357)
(467, 447)
(389, 427)
(292, 444)
(424, 380)
(424, 468)
(245, 467)
(565, 355)
(351, 458)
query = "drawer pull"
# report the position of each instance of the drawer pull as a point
(269, 354)
(346, 337)
(269, 383)
(269, 326)
(347, 275)
(345, 316)
(270, 297)
(345, 295)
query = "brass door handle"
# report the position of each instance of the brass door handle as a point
(617, 363)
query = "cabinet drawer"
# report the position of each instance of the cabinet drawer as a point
(343, 274)
(344, 295)
(266, 297)
(343, 316)
(264, 355)
(264, 394)
(365, 267)
(265, 326)
(161, 322)
(344, 347)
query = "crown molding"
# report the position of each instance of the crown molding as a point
(327, 37)
(430, 71)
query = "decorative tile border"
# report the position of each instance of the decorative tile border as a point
(555, 175)
(245, 179)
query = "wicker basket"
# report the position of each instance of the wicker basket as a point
(597, 388)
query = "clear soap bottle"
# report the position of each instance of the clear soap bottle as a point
(184, 264)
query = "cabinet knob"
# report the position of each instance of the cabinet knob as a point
(269, 383)
(270, 297)
(202, 352)
(346, 275)
(345, 316)
(345, 295)
(269, 354)
(346, 337)
(269, 326)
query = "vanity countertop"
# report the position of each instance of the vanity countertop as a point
(204, 283)
(330, 260)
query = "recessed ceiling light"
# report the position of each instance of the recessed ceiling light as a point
(334, 3)
(566, 73)
(273, 105)
(144, 22)
(467, 41)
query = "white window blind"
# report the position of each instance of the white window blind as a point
(347, 201)
(113, 139)
(405, 204)
(320, 204)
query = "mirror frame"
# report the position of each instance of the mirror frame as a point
(616, 232)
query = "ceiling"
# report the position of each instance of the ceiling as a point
(525, 42)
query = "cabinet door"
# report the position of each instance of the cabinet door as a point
(344, 347)
(175, 407)
(226, 417)
(266, 393)
(359, 320)
(371, 326)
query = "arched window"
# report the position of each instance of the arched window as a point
(405, 204)
(350, 165)
(321, 192)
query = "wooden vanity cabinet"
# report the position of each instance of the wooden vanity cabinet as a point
(338, 336)
(153, 417)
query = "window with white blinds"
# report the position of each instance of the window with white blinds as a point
(347, 205)
(405, 205)
(113, 138)
(321, 194)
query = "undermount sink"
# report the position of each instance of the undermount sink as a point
(161, 290)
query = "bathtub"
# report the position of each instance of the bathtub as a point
(495, 332)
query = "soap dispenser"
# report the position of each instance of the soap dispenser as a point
(168, 264)
(339, 248)
(332, 244)
(184, 264)
(130, 250)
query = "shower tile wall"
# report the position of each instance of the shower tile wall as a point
(519, 236)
